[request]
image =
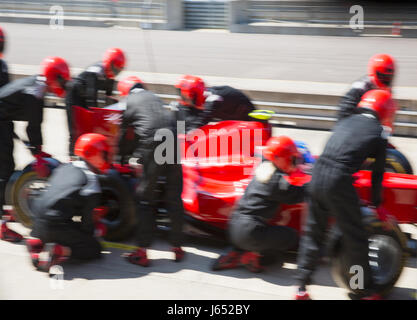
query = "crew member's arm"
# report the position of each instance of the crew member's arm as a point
(91, 89)
(109, 87)
(289, 193)
(350, 101)
(210, 107)
(4, 74)
(143, 127)
(33, 129)
(378, 171)
(90, 202)
(140, 120)
(124, 143)
(193, 117)
(89, 198)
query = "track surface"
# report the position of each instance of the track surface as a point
(215, 53)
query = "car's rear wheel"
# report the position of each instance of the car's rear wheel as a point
(23, 188)
(387, 257)
(395, 162)
(120, 219)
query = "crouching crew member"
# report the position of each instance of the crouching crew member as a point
(199, 105)
(23, 100)
(83, 89)
(74, 191)
(146, 114)
(226, 103)
(255, 241)
(332, 193)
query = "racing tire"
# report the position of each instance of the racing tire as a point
(23, 188)
(395, 162)
(121, 220)
(387, 256)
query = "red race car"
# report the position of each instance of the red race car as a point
(217, 167)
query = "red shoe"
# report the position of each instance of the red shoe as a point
(227, 261)
(9, 235)
(250, 260)
(8, 216)
(34, 245)
(375, 296)
(179, 253)
(302, 295)
(51, 256)
(138, 257)
(34, 257)
(100, 230)
(99, 213)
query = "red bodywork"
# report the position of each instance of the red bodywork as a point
(215, 177)
(399, 194)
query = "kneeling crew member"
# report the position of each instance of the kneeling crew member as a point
(253, 238)
(74, 191)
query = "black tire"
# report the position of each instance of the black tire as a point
(23, 188)
(121, 220)
(387, 252)
(395, 162)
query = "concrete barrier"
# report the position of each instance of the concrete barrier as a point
(310, 105)
(291, 17)
(320, 17)
(156, 14)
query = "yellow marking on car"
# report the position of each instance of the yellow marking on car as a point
(116, 245)
(262, 114)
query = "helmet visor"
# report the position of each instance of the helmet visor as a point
(385, 78)
(115, 70)
(61, 81)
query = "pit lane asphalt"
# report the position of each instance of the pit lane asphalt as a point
(113, 278)
(214, 53)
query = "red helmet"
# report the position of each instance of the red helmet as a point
(94, 149)
(2, 40)
(381, 102)
(192, 91)
(283, 152)
(57, 73)
(126, 84)
(113, 61)
(381, 70)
